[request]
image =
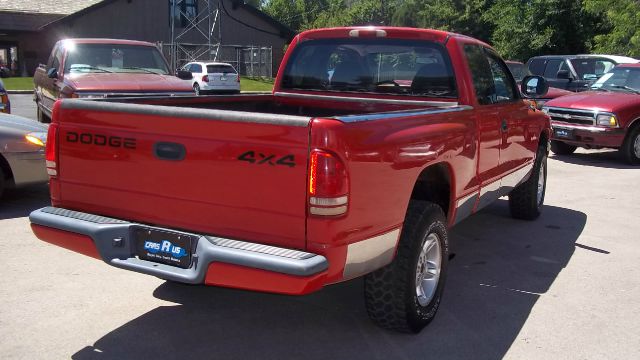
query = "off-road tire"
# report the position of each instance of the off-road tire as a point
(562, 148)
(390, 292)
(523, 199)
(628, 151)
(3, 181)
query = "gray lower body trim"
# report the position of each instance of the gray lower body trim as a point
(492, 191)
(465, 206)
(121, 254)
(370, 254)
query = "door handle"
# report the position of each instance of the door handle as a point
(504, 127)
(169, 151)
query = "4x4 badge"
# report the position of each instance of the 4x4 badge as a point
(261, 159)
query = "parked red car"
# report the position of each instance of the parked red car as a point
(375, 141)
(99, 68)
(608, 116)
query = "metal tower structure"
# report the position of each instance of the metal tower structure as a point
(195, 31)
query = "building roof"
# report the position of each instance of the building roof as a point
(20, 21)
(285, 31)
(60, 7)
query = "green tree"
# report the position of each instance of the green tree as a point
(621, 25)
(535, 27)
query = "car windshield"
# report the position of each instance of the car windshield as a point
(110, 58)
(224, 69)
(620, 79)
(591, 68)
(517, 70)
(390, 66)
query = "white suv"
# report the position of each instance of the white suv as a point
(213, 77)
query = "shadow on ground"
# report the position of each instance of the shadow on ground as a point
(608, 159)
(21, 202)
(501, 268)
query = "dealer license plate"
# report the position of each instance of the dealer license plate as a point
(563, 133)
(164, 246)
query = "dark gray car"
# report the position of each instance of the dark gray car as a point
(574, 72)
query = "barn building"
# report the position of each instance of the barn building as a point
(225, 30)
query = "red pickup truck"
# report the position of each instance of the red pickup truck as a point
(373, 143)
(608, 116)
(98, 68)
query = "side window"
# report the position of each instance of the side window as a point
(553, 66)
(536, 66)
(51, 57)
(502, 79)
(481, 74)
(196, 68)
(186, 67)
(57, 59)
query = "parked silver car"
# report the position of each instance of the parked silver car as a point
(22, 145)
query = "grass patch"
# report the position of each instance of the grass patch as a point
(255, 84)
(18, 83)
(246, 84)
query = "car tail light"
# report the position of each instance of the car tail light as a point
(205, 78)
(328, 184)
(51, 150)
(5, 106)
(238, 78)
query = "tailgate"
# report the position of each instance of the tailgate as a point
(234, 174)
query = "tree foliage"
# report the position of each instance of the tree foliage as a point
(518, 29)
(622, 23)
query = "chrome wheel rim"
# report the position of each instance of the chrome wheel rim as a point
(428, 269)
(636, 146)
(541, 179)
(196, 89)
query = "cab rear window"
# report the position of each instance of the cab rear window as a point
(390, 66)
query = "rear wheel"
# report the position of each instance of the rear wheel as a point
(630, 149)
(196, 89)
(526, 200)
(3, 181)
(405, 295)
(561, 148)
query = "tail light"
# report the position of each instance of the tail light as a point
(5, 105)
(205, 78)
(50, 151)
(238, 78)
(328, 184)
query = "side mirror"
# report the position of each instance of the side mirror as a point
(563, 74)
(52, 73)
(534, 86)
(184, 75)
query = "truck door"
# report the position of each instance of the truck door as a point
(488, 123)
(554, 66)
(50, 88)
(517, 143)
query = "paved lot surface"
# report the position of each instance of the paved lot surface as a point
(563, 287)
(23, 105)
